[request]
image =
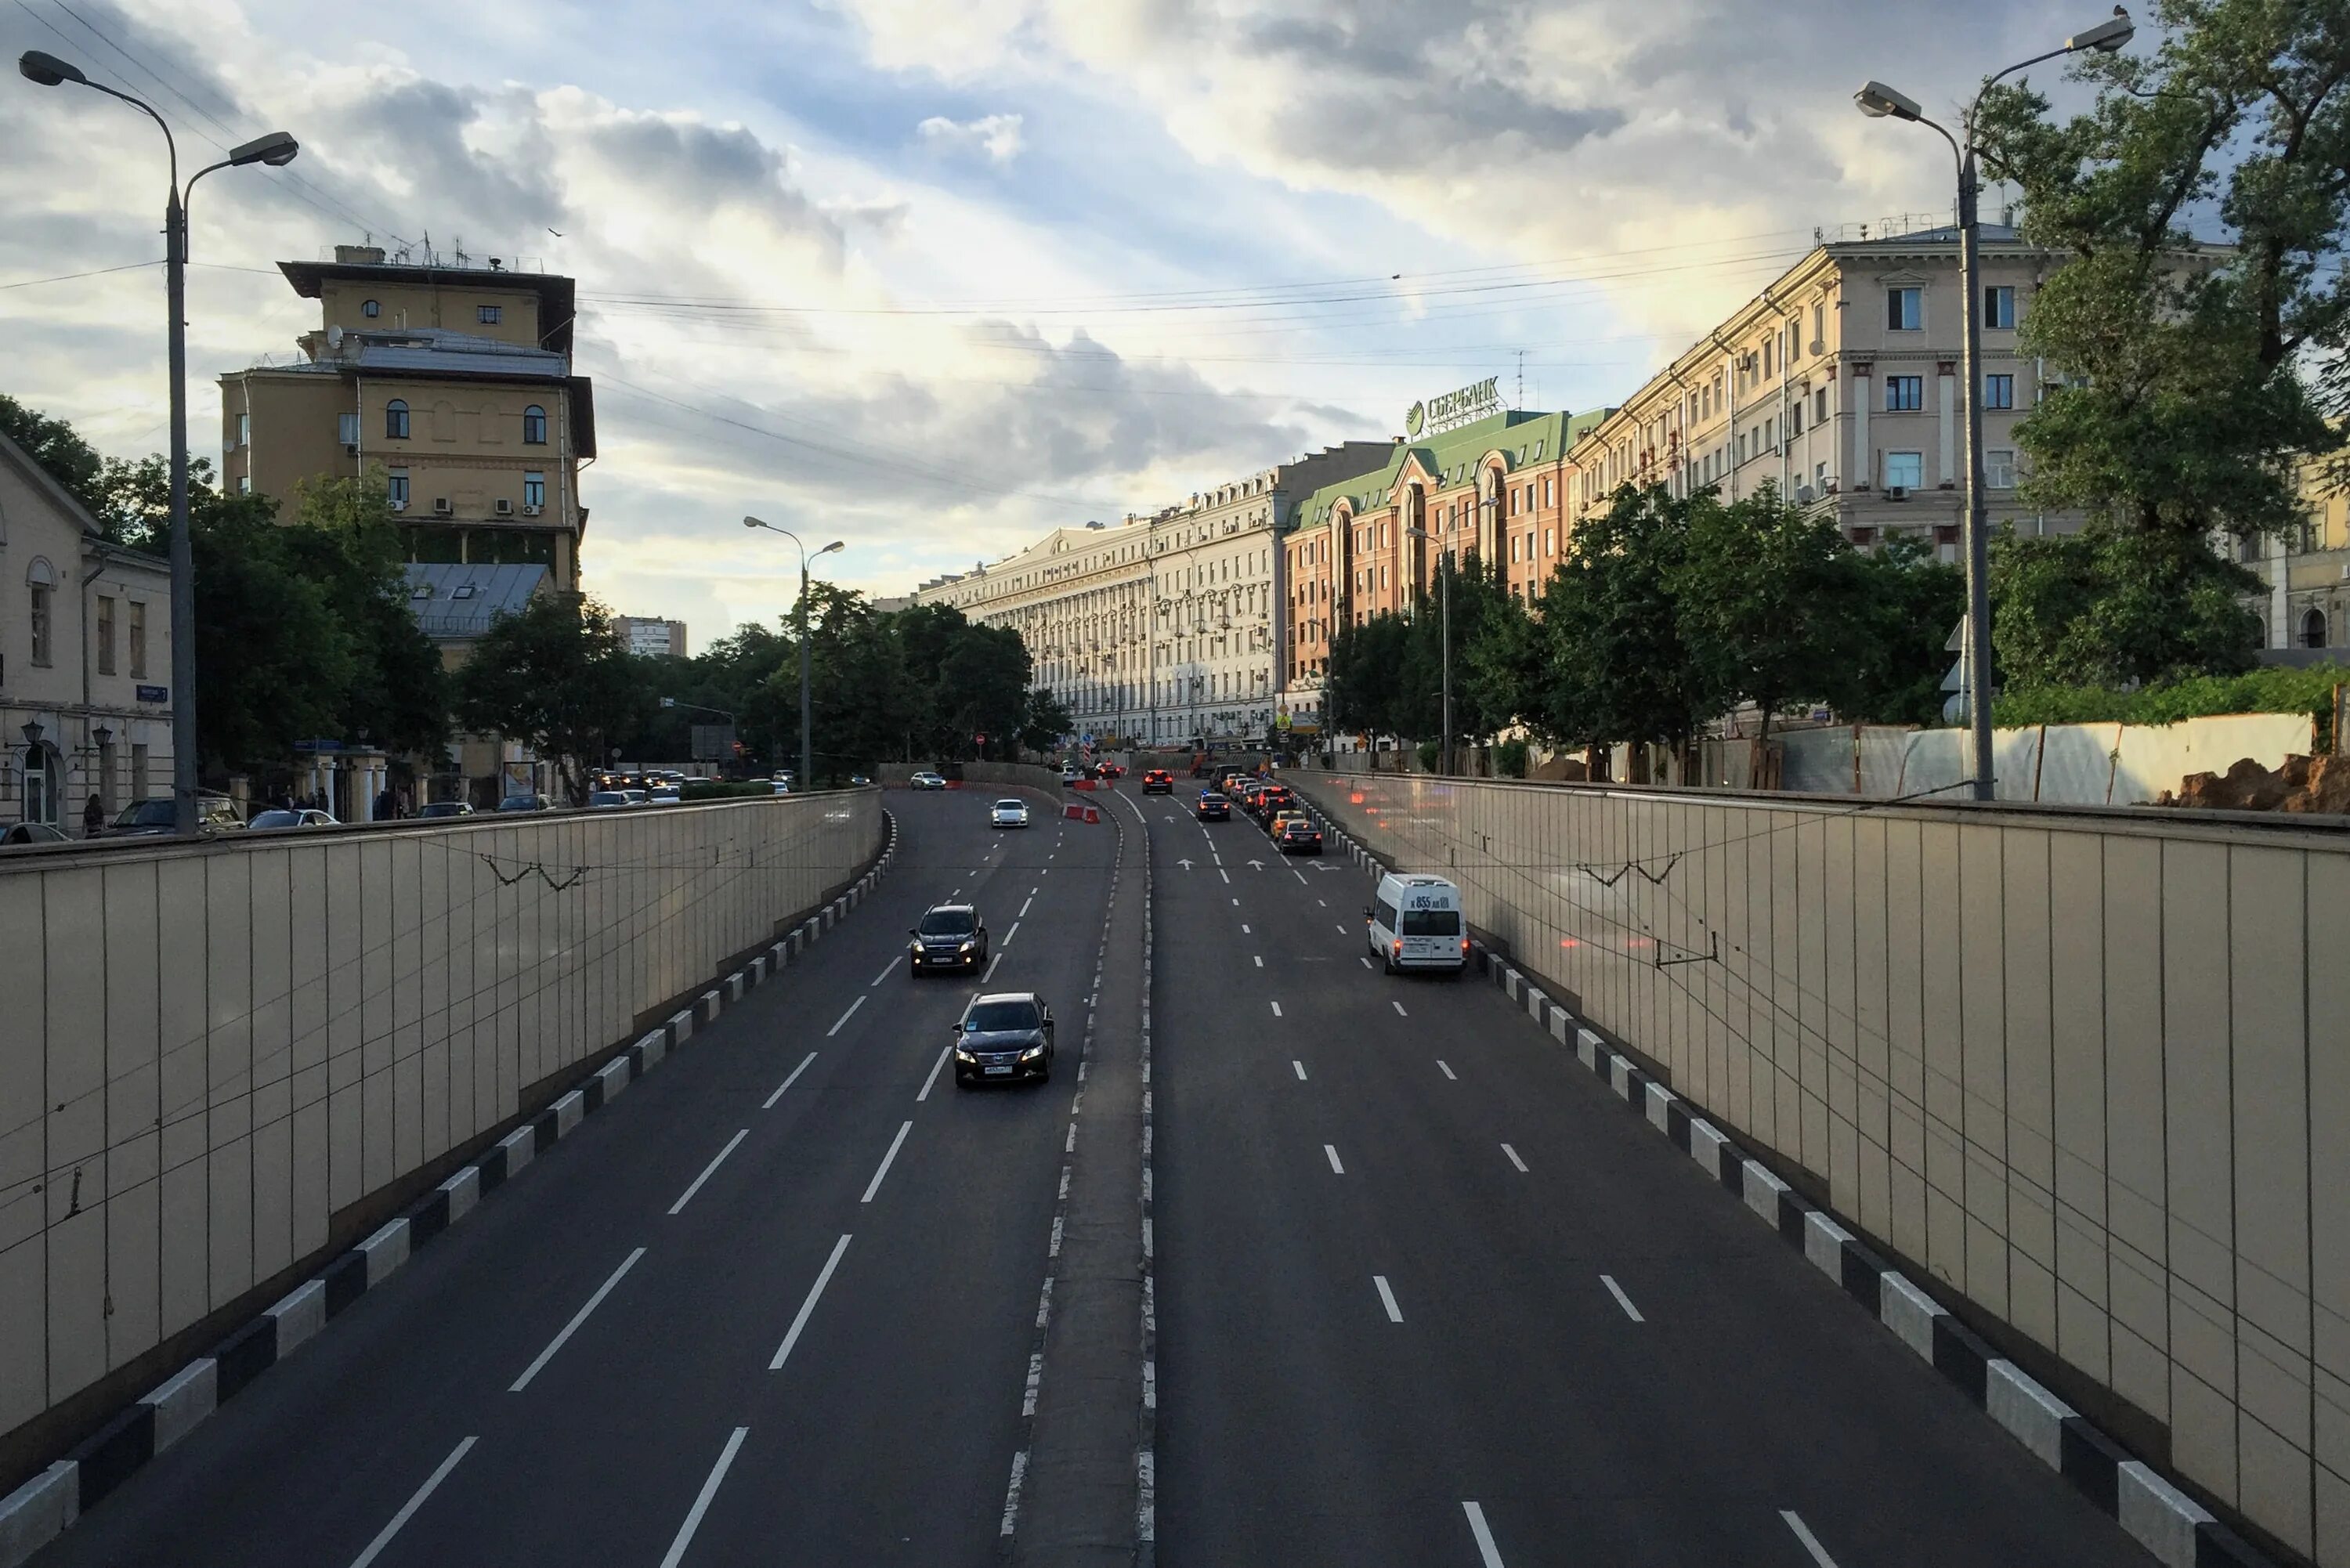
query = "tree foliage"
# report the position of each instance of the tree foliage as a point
(2110, 607)
(556, 675)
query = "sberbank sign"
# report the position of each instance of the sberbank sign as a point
(1471, 402)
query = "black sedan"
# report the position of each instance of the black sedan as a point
(951, 936)
(1298, 836)
(1215, 807)
(1004, 1035)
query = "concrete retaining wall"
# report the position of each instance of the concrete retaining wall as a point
(2089, 1071)
(211, 1056)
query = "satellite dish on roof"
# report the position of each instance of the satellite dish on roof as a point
(334, 336)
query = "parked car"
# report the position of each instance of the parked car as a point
(142, 818)
(1009, 812)
(525, 803)
(926, 779)
(1006, 1034)
(24, 833)
(608, 800)
(664, 794)
(634, 796)
(1069, 774)
(445, 808)
(275, 818)
(783, 787)
(948, 936)
(857, 781)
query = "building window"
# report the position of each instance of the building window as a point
(1820, 406)
(346, 428)
(44, 637)
(399, 492)
(533, 426)
(245, 429)
(370, 309)
(105, 635)
(1998, 309)
(1999, 468)
(1905, 309)
(1904, 394)
(1999, 391)
(1819, 325)
(137, 640)
(395, 419)
(489, 315)
(1904, 470)
(534, 490)
(244, 484)
(2313, 629)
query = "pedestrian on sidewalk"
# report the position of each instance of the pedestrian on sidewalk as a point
(93, 816)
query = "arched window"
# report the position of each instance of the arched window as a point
(395, 419)
(2313, 629)
(370, 309)
(533, 426)
(41, 587)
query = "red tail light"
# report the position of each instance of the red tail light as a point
(1464, 947)
(1397, 946)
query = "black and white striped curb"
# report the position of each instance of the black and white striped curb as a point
(47, 1506)
(2179, 1531)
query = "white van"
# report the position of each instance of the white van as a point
(1417, 923)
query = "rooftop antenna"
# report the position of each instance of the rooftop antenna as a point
(459, 246)
(428, 247)
(1522, 378)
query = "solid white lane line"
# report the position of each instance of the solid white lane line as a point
(1632, 1311)
(1301, 1070)
(944, 1052)
(1519, 1163)
(799, 1319)
(1387, 1299)
(408, 1509)
(886, 969)
(875, 1186)
(1487, 1552)
(1260, 961)
(1276, 1010)
(1009, 935)
(687, 1195)
(701, 1503)
(1399, 1012)
(522, 1382)
(844, 1018)
(991, 969)
(1331, 1151)
(1804, 1534)
(787, 1083)
(1448, 1069)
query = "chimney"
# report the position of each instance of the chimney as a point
(371, 255)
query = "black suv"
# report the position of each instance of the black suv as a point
(1006, 1035)
(951, 936)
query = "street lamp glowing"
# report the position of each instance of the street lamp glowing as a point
(276, 148)
(48, 70)
(2105, 36)
(1881, 102)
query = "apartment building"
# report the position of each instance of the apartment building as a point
(85, 658)
(650, 636)
(2307, 604)
(451, 380)
(1497, 486)
(1839, 384)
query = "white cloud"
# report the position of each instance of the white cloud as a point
(997, 136)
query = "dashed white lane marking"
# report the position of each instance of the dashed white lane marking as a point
(883, 1169)
(1621, 1299)
(1387, 1299)
(687, 1195)
(1244, 930)
(1260, 961)
(1236, 903)
(1009, 935)
(1301, 1070)
(522, 1382)
(1449, 1073)
(408, 1510)
(800, 1318)
(1804, 1534)
(991, 969)
(844, 1018)
(1515, 1160)
(1326, 904)
(886, 969)
(787, 1083)
(1276, 1010)
(1488, 1553)
(1225, 874)
(1033, 891)
(1342, 930)
(701, 1503)
(1330, 1151)
(1399, 1012)
(944, 1052)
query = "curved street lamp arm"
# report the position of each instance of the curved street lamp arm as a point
(170, 146)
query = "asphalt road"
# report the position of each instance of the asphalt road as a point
(1425, 1293)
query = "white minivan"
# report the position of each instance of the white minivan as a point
(1416, 924)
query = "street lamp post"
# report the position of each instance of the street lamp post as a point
(276, 148)
(1880, 103)
(1444, 636)
(807, 771)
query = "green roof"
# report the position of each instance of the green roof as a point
(1519, 435)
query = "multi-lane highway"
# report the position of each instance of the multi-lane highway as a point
(1425, 1294)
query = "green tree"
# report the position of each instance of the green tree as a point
(1048, 719)
(1613, 663)
(2188, 398)
(1363, 685)
(57, 447)
(2114, 607)
(1908, 601)
(554, 675)
(1769, 601)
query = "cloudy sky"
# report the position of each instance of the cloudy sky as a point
(933, 276)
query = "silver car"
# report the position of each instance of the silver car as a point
(1008, 813)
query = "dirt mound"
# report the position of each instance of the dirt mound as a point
(2301, 785)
